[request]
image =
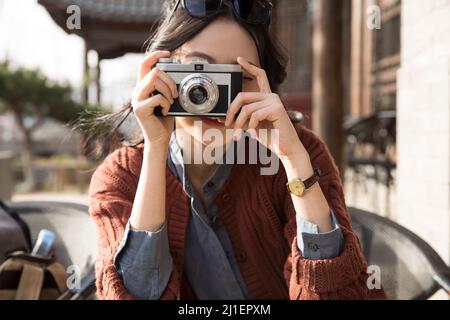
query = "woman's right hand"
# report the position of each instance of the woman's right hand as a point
(155, 129)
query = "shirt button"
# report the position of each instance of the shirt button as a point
(242, 256)
(313, 246)
(226, 197)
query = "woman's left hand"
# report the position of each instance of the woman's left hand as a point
(263, 110)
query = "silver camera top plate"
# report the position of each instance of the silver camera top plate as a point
(168, 65)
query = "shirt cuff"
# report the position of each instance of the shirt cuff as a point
(315, 245)
(144, 262)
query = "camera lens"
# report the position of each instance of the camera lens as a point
(198, 95)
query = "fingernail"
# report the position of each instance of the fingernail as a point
(237, 135)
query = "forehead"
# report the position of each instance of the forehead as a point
(224, 40)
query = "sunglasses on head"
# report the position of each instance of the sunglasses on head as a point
(248, 11)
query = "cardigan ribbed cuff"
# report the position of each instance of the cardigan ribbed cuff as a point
(329, 275)
(111, 286)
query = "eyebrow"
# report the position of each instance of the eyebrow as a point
(210, 59)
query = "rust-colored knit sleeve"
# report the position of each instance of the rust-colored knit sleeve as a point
(343, 277)
(111, 196)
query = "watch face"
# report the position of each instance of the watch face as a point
(297, 187)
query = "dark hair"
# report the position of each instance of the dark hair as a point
(170, 33)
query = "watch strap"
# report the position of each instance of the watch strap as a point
(313, 179)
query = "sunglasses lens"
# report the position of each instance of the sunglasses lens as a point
(201, 8)
(256, 11)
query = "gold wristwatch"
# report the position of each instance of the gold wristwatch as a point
(298, 187)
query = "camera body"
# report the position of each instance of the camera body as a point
(203, 89)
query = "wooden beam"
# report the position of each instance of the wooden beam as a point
(97, 81)
(85, 80)
(327, 76)
(356, 59)
(367, 105)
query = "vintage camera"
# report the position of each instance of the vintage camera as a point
(203, 89)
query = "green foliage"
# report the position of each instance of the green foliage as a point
(30, 93)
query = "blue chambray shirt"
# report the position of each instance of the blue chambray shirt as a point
(144, 262)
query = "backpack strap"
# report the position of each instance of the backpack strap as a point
(21, 255)
(30, 284)
(59, 275)
(33, 270)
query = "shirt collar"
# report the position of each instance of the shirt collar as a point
(176, 165)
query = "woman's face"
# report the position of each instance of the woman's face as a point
(222, 41)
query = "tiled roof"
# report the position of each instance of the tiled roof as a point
(112, 10)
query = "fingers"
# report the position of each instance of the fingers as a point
(170, 82)
(253, 115)
(155, 84)
(153, 81)
(240, 100)
(150, 80)
(146, 107)
(260, 74)
(246, 113)
(149, 61)
(258, 116)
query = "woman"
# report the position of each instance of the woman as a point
(169, 228)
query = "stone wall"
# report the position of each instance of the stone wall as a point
(423, 123)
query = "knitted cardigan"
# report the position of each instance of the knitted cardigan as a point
(259, 216)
